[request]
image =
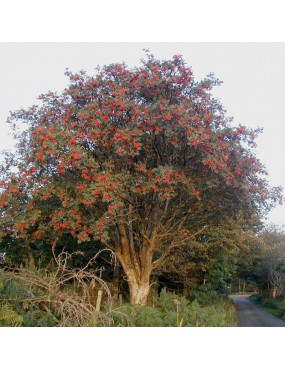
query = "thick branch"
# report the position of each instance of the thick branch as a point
(177, 243)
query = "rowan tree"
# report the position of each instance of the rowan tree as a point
(141, 159)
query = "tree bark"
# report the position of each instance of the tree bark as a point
(137, 264)
(139, 283)
(138, 278)
(139, 292)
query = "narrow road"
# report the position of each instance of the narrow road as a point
(251, 314)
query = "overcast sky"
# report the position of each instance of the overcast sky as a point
(252, 92)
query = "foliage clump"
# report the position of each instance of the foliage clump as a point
(9, 316)
(170, 310)
(275, 306)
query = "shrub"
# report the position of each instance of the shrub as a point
(61, 297)
(170, 310)
(275, 306)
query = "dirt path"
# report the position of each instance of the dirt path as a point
(250, 314)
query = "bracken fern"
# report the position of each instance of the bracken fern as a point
(9, 317)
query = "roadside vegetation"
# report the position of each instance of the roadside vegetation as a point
(33, 298)
(269, 273)
(275, 306)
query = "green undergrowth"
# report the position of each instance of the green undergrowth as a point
(39, 305)
(275, 306)
(170, 310)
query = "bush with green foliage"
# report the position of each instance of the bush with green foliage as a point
(205, 296)
(171, 310)
(276, 306)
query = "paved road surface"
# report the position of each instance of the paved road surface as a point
(251, 314)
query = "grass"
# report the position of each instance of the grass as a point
(275, 306)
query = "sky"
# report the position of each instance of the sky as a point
(252, 92)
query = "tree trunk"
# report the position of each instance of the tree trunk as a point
(273, 293)
(139, 292)
(138, 280)
(137, 265)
